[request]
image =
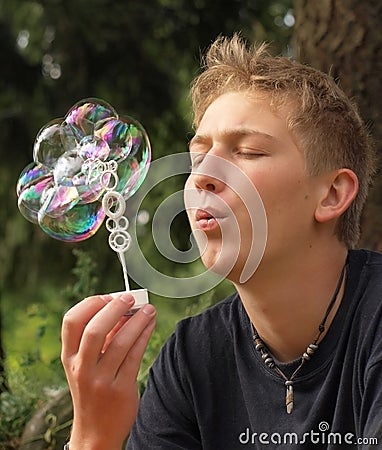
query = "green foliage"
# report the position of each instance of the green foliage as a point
(13, 411)
(33, 361)
(86, 278)
(16, 409)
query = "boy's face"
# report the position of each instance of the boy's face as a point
(241, 138)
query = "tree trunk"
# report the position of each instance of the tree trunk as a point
(344, 37)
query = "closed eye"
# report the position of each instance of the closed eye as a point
(196, 159)
(250, 153)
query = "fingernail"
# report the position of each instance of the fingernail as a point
(106, 298)
(148, 309)
(127, 298)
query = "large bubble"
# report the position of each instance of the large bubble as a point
(76, 160)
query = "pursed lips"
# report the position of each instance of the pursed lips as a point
(208, 218)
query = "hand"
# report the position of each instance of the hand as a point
(101, 353)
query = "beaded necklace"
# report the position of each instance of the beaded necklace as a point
(306, 356)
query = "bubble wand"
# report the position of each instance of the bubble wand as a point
(86, 165)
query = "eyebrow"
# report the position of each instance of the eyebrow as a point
(234, 132)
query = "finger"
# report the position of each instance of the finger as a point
(119, 325)
(114, 331)
(75, 320)
(100, 325)
(127, 338)
(131, 364)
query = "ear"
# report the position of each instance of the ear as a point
(340, 191)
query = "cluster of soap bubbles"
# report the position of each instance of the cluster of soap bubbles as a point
(77, 161)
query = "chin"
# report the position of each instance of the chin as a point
(237, 268)
(220, 263)
(211, 260)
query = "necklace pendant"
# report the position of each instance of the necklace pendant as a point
(289, 398)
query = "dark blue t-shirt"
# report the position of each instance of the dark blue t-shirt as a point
(210, 390)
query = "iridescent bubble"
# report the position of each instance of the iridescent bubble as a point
(80, 223)
(133, 170)
(58, 200)
(89, 190)
(32, 174)
(89, 111)
(67, 167)
(48, 146)
(94, 148)
(117, 134)
(34, 180)
(77, 159)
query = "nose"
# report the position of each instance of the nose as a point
(208, 175)
(207, 183)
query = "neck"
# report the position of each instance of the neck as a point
(286, 301)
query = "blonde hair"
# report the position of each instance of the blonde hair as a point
(324, 120)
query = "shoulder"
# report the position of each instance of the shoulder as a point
(365, 258)
(364, 292)
(365, 271)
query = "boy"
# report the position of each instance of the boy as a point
(294, 358)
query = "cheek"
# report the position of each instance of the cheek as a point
(290, 214)
(281, 188)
